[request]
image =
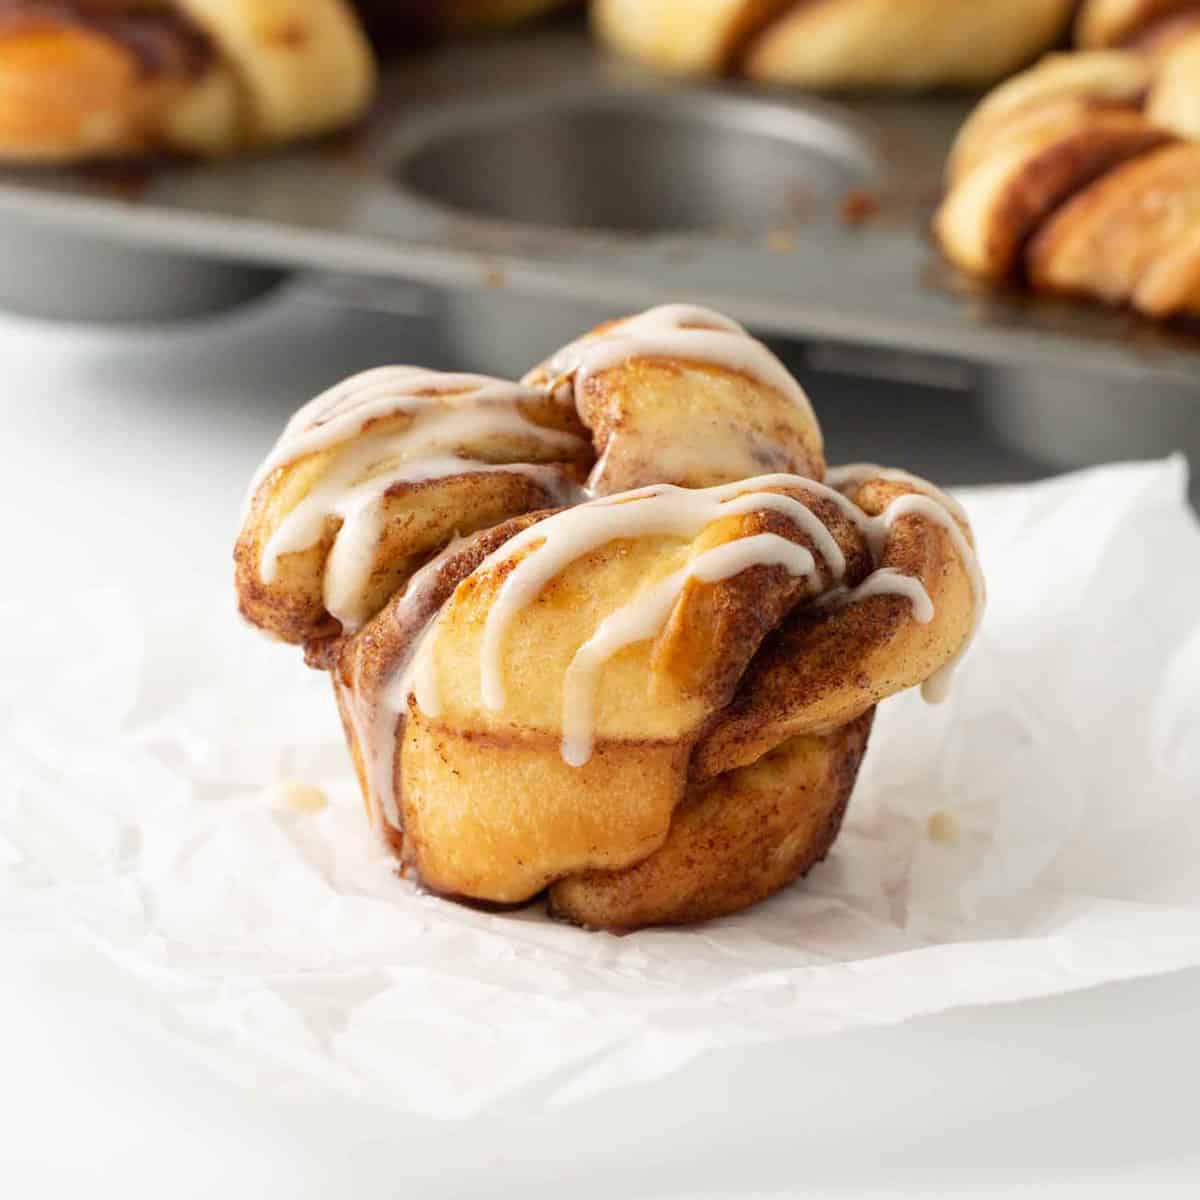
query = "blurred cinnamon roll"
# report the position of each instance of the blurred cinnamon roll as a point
(1082, 176)
(831, 44)
(96, 79)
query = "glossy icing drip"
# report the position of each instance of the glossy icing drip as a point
(346, 409)
(854, 475)
(447, 413)
(678, 332)
(937, 506)
(645, 617)
(440, 423)
(545, 550)
(886, 581)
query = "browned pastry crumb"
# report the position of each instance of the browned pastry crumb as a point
(859, 206)
(163, 40)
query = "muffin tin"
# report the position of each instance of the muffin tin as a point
(533, 181)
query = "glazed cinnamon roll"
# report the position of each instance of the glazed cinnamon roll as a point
(95, 79)
(833, 44)
(613, 634)
(1134, 24)
(1082, 176)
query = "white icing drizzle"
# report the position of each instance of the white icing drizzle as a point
(941, 508)
(645, 617)
(664, 510)
(346, 409)
(421, 681)
(374, 712)
(854, 475)
(682, 332)
(450, 411)
(658, 510)
(550, 546)
(354, 488)
(886, 581)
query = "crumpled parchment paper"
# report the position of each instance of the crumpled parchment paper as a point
(1037, 833)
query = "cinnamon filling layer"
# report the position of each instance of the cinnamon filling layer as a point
(756, 20)
(161, 40)
(1164, 30)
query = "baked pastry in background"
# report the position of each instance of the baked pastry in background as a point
(613, 633)
(96, 79)
(1134, 24)
(1082, 176)
(901, 44)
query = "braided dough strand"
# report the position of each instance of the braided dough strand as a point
(84, 79)
(651, 699)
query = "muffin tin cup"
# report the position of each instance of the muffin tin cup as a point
(64, 275)
(532, 185)
(1066, 420)
(598, 159)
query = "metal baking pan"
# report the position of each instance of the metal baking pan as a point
(537, 167)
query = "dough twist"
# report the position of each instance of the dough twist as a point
(1083, 176)
(650, 699)
(94, 79)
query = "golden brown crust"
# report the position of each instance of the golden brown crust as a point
(423, 517)
(76, 91)
(717, 629)
(88, 79)
(1130, 238)
(362, 665)
(704, 757)
(1104, 23)
(1171, 286)
(162, 40)
(1174, 99)
(825, 667)
(499, 816)
(1060, 83)
(911, 46)
(685, 37)
(836, 43)
(481, 788)
(512, 791)
(737, 425)
(418, 517)
(663, 688)
(733, 841)
(1074, 172)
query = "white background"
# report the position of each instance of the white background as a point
(127, 455)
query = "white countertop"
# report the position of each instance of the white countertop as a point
(127, 458)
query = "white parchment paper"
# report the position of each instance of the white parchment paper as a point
(1039, 832)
